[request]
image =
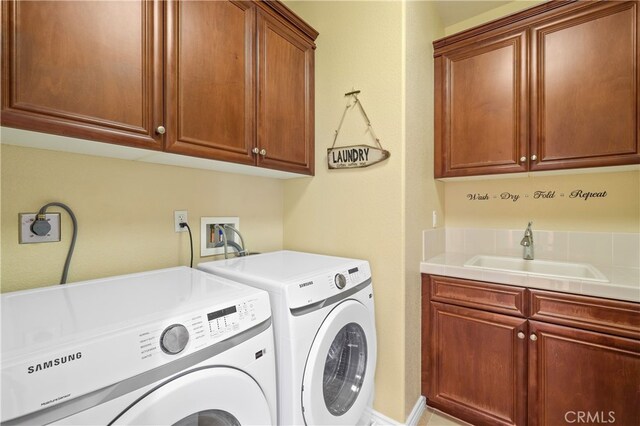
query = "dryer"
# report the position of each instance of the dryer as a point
(323, 312)
(174, 346)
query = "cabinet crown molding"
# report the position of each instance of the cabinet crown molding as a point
(283, 11)
(514, 18)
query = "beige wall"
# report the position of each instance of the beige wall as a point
(422, 194)
(125, 213)
(358, 213)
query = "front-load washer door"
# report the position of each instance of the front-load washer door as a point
(205, 396)
(338, 376)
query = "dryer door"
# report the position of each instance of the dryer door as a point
(338, 376)
(206, 396)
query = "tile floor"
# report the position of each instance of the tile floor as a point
(432, 417)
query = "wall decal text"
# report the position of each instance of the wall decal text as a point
(585, 195)
(578, 194)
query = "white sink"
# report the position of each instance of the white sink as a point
(546, 268)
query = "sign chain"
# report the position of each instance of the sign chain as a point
(366, 117)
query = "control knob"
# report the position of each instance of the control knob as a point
(174, 339)
(340, 281)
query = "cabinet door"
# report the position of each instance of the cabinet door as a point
(477, 365)
(285, 96)
(90, 70)
(585, 80)
(210, 79)
(481, 107)
(578, 376)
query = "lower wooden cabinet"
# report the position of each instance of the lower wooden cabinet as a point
(490, 368)
(576, 372)
(489, 361)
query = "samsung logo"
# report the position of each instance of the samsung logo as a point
(307, 284)
(54, 362)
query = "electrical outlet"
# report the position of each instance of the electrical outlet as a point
(28, 237)
(180, 216)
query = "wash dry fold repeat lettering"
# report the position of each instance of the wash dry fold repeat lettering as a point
(537, 195)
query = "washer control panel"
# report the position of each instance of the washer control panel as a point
(191, 332)
(226, 320)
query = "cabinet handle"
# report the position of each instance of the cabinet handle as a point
(534, 157)
(520, 335)
(523, 159)
(255, 150)
(533, 337)
(263, 152)
(161, 130)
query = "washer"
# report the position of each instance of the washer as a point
(174, 346)
(323, 313)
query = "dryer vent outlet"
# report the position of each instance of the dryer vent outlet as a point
(27, 236)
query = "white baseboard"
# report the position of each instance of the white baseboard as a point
(379, 419)
(417, 412)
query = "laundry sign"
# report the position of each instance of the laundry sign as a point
(354, 156)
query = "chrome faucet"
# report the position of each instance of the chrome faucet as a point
(527, 243)
(240, 248)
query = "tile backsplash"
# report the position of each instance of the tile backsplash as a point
(600, 248)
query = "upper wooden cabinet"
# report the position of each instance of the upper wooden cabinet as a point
(481, 99)
(91, 70)
(224, 80)
(285, 96)
(584, 86)
(552, 87)
(210, 86)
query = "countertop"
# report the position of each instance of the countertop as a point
(624, 283)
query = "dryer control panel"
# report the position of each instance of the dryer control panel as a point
(328, 284)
